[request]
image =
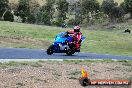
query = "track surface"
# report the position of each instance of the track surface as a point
(23, 53)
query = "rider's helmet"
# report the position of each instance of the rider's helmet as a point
(77, 29)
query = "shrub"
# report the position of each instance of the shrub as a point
(74, 22)
(44, 18)
(4, 5)
(23, 10)
(62, 7)
(71, 22)
(118, 13)
(8, 16)
(31, 19)
(107, 6)
(128, 6)
(58, 22)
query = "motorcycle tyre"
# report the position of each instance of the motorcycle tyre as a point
(69, 52)
(50, 50)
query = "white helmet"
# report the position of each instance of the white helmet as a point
(77, 29)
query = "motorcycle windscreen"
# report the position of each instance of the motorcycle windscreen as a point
(61, 37)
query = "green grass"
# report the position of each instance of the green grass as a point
(45, 34)
(97, 41)
(40, 62)
(128, 62)
(110, 42)
(22, 63)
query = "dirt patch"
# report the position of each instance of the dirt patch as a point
(60, 74)
(23, 40)
(111, 71)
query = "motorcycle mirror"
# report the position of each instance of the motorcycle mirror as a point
(55, 37)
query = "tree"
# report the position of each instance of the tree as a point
(48, 7)
(107, 6)
(62, 9)
(31, 19)
(44, 18)
(78, 13)
(3, 6)
(128, 5)
(89, 7)
(46, 12)
(117, 14)
(8, 16)
(34, 7)
(27, 10)
(23, 9)
(122, 5)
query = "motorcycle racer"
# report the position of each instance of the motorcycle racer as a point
(67, 42)
(77, 35)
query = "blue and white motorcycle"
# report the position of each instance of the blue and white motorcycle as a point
(61, 44)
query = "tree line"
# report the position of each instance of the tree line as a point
(56, 12)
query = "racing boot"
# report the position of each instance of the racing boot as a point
(77, 47)
(78, 50)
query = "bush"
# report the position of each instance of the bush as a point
(124, 7)
(62, 7)
(58, 22)
(74, 22)
(44, 18)
(128, 6)
(71, 22)
(8, 16)
(23, 9)
(4, 5)
(31, 19)
(107, 6)
(118, 13)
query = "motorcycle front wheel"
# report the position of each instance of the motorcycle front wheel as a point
(50, 50)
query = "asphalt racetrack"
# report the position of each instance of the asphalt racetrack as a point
(24, 53)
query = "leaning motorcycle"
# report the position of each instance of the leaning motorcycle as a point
(63, 44)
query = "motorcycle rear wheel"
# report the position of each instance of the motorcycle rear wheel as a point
(70, 52)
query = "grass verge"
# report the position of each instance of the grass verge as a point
(101, 41)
